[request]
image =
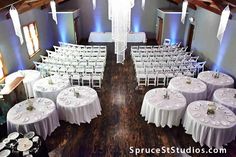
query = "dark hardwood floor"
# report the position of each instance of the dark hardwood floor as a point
(120, 125)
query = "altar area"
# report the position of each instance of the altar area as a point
(133, 37)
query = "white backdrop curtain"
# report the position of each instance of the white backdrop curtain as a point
(16, 23)
(143, 4)
(184, 11)
(120, 14)
(223, 23)
(94, 4)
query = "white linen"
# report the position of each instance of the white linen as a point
(226, 97)
(42, 87)
(196, 90)
(30, 77)
(162, 111)
(137, 37)
(224, 81)
(78, 110)
(213, 131)
(43, 119)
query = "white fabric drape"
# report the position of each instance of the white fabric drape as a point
(53, 9)
(143, 4)
(94, 4)
(223, 23)
(16, 23)
(120, 14)
(184, 11)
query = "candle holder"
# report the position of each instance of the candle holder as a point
(211, 109)
(166, 96)
(216, 75)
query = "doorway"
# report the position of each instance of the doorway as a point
(160, 28)
(190, 36)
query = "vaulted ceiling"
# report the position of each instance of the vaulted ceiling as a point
(216, 6)
(25, 5)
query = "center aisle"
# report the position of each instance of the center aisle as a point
(120, 126)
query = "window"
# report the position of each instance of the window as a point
(31, 38)
(1, 67)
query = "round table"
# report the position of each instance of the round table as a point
(43, 119)
(226, 97)
(211, 130)
(30, 76)
(156, 109)
(78, 109)
(192, 88)
(224, 81)
(50, 87)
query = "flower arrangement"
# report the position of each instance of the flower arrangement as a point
(50, 81)
(216, 75)
(76, 93)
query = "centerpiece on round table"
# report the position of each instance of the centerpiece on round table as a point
(166, 95)
(30, 106)
(211, 108)
(216, 75)
(188, 81)
(50, 81)
(76, 92)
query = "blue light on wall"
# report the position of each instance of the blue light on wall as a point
(97, 18)
(62, 29)
(136, 23)
(16, 50)
(174, 28)
(221, 54)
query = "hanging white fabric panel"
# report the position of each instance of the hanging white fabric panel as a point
(223, 23)
(94, 4)
(120, 14)
(184, 11)
(16, 23)
(53, 9)
(143, 4)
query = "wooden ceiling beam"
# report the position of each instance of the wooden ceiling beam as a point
(205, 6)
(231, 2)
(218, 3)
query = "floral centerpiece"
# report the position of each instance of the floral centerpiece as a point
(211, 109)
(30, 106)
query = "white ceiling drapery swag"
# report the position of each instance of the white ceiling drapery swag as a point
(143, 4)
(184, 11)
(53, 9)
(120, 14)
(16, 23)
(223, 23)
(94, 4)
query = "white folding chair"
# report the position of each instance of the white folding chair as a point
(161, 79)
(151, 79)
(96, 81)
(86, 80)
(75, 79)
(142, 79)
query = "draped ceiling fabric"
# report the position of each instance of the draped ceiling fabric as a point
(16, 23)
(223, 23)
(53, 9)
(184, 11)
(143, 4)
(94, 4)
(120, 14)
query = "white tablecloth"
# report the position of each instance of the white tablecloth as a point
(42, 88)
(196, 90)
(215, 130)
(78, 110)
(224, 81)
(43, 119)
(226, 97)
(162, 111)
(137, 37)
(30, 76)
